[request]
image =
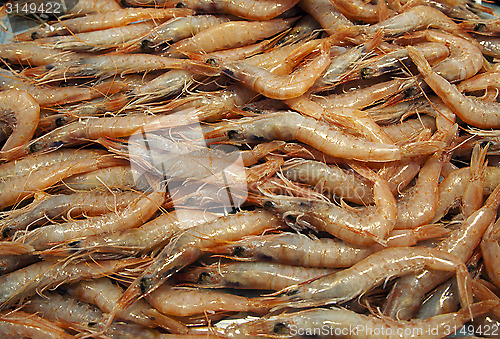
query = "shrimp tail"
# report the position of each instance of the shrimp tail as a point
(432, 231)
(209, 67)
(415, 149)
(478, 162)
(477, 309)
(168, 323)
(418, 58)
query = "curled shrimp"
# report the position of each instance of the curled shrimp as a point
(471, 110)
(25, 111)
(99, 21)
(290, 126)
(370, 272)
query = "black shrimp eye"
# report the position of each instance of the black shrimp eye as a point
(60, 122)
(366, 73)
(232, 134)
(280, 328)
(74, 243)
(146, 44)
(35, 35)
(180, 5)
(270, 205)
(6, 232)
(238, 251)
(479, 27)
(35, 147)
(291, 219)
(203, 277)
(211, 62)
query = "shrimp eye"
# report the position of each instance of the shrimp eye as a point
(291, 219)
(35, 147)
(232, 134)
(270, 205)
(74, 243)
(146, 44)
(180, 5)
(409, 92)
(35, 36)
(145, 285)
(211, 62)
(6, 232)
(280, 328)
(479, 27)
(91, 324)
(60, 122)
(238, 251)
(203, 278)
(366, 73)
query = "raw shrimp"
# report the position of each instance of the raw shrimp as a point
(19, 324)
(45, 208)
(471, 110)
(408, 129)
(99, 21)
(172, 31)
(10, 263)
(327, 322)
(407, 294)
(290, 126)
(251, 275)
(472, 198)
(223, 36)
(444, 299)
(110, 177)
(356, 226)
(305, 29)
(417, 205)
(15, 189)
(485, 26)
(370, 272)
(22, 111)
(106, 39)
(103, 66)
(489, 46)
(262, 10)
(278, 86)
(32, 54)
(182, 301)
(326, 14)
(136, 213)
(27, 281)
(142, 239)
(360, 10)
(14, 248)
(189, 246)
(482, 81)
(91, 6)
(491, 252)
(104, 294)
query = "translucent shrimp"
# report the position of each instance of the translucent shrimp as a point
(279, 86)
(326, 14)
(138, 212)
(491, 252)
(172, 31)
(407, 294)
(223, 36)
(251, 275)
(15, 189)
(263, 10)
(472, 198)
(37, 277)
(189, 245)
(360, 10)
(22, 111)
(471, 110)
(417, 205)
(409, 129)
(14, 248)
(104, 294)
(101, 40)
(183, 301)
(486, 26)
(20, 324)
(325, 322)
(482, 81)
(99, 21)
(121, 177)
(489, 46)
(48, 207)
(370, 272)
(32, 54)
(290, 126)
(356, 226)
(103, 66)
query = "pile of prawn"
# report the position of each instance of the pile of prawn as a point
(262, 168)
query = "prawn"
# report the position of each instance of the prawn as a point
(288, 126)
(471, 110)
(327, 15)
(27, 281)
(25, 111)
(263, 10)
(136, 213)
(357, 226)
(408, 292)
(100, 21)
(360, 10)
(121, 176)
(33, 54)
(370, 272)
(342, 320)
(251, 275)
(21, 324)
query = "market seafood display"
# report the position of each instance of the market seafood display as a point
(265, 168)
